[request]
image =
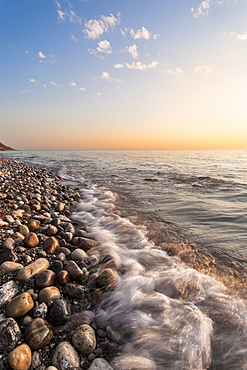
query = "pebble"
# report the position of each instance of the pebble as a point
(51, 230)
(24, 230)
(60, 207)
(68, 236)
(10, 334)
(74, 270)
(19, 305)
(8, 243)
(79, 255)
(8, 291)
(50, 293)
(34, 268)
(8, 267)
(107, 279)
(65, 357)
(38, 333)
(9, 219)
(45, 278)
(31, 240)
(60, 312)
(127, 362)
(86, 243)
(8, 255)
(74, 291)
(20, 358)
(51, 244)
(40, 310)
(100, 364)
(33, 225)
(84, 339)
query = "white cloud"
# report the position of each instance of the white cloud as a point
(241, 37)
(118, 66)
(54, 84)
(73, 37)
(203, 69)
(41, 55)
(143, 33)
(104, 47)
(61, 15)
(141, 66)
(177, 72)
(96, 27)
(106, 76)
(98, 93)
(82, 89)
(132, 50)
(73, 18)
(33, 81)
(72, 83)
(203, 9)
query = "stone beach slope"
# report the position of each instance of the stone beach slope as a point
(52, 277)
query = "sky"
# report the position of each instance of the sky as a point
(130, 74)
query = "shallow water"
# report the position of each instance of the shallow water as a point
(176, 221)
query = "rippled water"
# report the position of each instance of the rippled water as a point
(176, 221)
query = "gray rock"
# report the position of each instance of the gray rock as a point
(40, 310)
(127, 362)
(60, 312)
(8, 291)
(100, 364)
(10, 334)
(65, 357)
(84, 339)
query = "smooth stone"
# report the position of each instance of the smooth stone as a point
(56, 221)
(63, 277)
(56, 266)
(79, 255)
(100, 364)
(8, 267)
(10, 334)
(24, 230)
(51, 368)
(31, 240)
(51, 244)
(19, 305)
(38, 333)
(18, 213)
(45, 278)
(20, 358)
(17, 236)
(84, 339)
(67, 226)
(74, 270)
(61, 257)
(34, 268)
(74, 291)
(9, 219)
(51, 230)
(101, 318)
(80, 233)
(107, 279)
(65, 357)
(86, 243)
(64, 250)
(75, 320)
(8, 243)
(127, 362)
(36, 359)
(50, 293)
(68, 236)
(8, 255)
(8, 291)
(33, 225)
(60, 312)
(59, 207)
(40, 310)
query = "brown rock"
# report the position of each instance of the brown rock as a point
(74, 270)
(31, 240)
(45, 278)
(51, 230)
(60, 207)
(8, 267)
(63, 277)
(50, 293)
(51, 244)
(24, 230)
(38, 333)
(7, 254)
(79, 255)
(84, 339)
(33, 225)
(19, 305)
(20, 358)
(34, 268)
(107, 279)
(65, 357)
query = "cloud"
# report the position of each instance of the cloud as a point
(177, 72)
(33, 81)
(106, 76)
(61, 15)
(241, 37)
(72, 83)
(73, 18)
(41, 55)
(96, 27)
(82, 89)
(73, 37)
(98, 93)
(132, 50)
(118, 66)
(203, 9)
(141, 66)
(104, 47)
(54, 84)
(203, 69)
(143, 33)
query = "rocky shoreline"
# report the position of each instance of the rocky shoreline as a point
(52, 277)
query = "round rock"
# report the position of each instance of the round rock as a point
(100, 364)
(20, 358)
(31, 240)
(38, 333)
(45, 278)
(74, 270)
(19, 305)
(127, 362)
(50, 293)
(10, 334)
(51, 244)
(60, 312)
(84, 339)
(65, 357)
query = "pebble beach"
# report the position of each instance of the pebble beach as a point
(52, 277)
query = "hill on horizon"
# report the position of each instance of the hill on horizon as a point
(5, 147)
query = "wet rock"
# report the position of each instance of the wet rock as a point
(74, 270)
(40, 310)
(31, 240)
(20, 358)
(8, 267)
(10, 334)
(34, 268)
(51, 244)
(8, 254)
(8, 291)
(45, 278)
(74, 291)
(86, 243)
(128, 362)
(51, 230)
(8, 243)
(57, 266)
(100, 364)
(79, 255)
(19, 305)
(65, 357)
(24, 230)
(9, 219)
(63, 277)
(64, 250)
(107, 279)
(84, 339)
(60, 312)
(59, 207)
(56, 221)
(114, 335)
(33, 225)
(67, 226)
(77, 319)
(38, 333)
(50, 293)
(101, 318)
(68, 237)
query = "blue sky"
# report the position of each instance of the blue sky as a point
(123, 74)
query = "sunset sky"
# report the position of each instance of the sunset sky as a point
(130, 74)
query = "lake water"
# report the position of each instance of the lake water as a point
(177, 222)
